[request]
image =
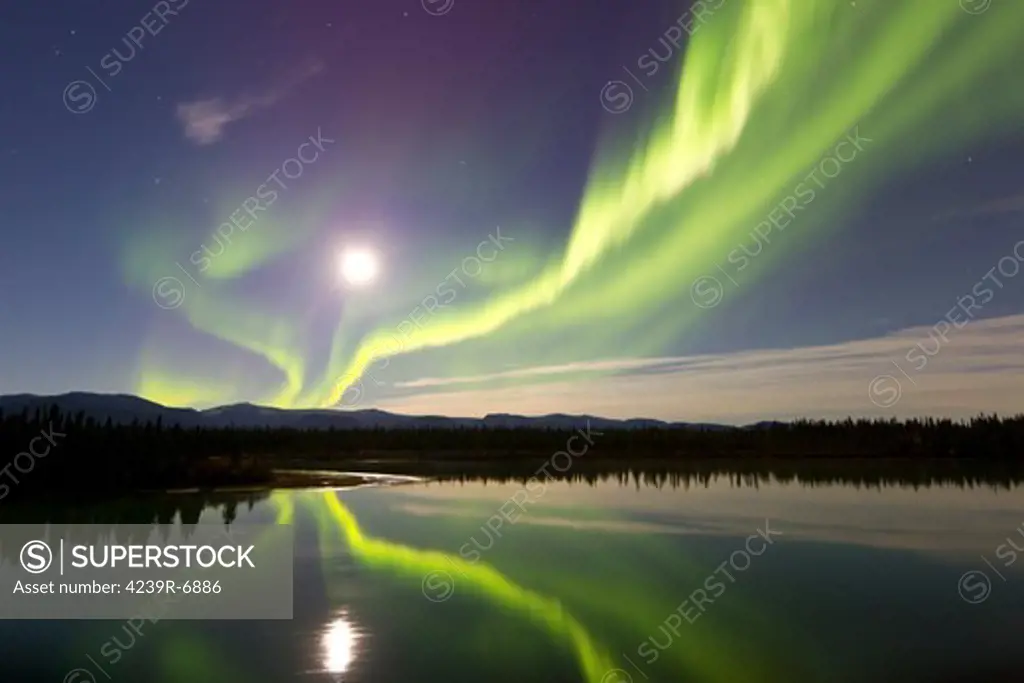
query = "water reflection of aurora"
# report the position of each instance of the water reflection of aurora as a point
(705, 654)
(337, 523)
(633, 611)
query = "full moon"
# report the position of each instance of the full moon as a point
(358, 267)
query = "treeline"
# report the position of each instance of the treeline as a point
(117, 521)
(983, 437)
(859, 473)
(53, 450)
(109, 518)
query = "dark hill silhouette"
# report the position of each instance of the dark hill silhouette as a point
(45, 448)
(124, 409)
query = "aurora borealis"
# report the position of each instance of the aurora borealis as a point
(775, 134)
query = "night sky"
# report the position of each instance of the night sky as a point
(732, 211)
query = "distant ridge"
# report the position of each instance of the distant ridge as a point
(124, 408)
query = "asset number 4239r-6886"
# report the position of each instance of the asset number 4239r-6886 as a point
(144, 586)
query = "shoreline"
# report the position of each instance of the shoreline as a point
(311, 479)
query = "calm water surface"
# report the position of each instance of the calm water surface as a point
(607, 583)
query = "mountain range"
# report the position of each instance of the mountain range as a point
(125, 408)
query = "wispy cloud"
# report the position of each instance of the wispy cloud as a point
(204, 120)
(853, 517)
(979, 369)
(994, 207)
(617, 365)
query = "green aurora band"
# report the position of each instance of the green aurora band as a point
(766, 89)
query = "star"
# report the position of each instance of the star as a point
(72, 31)
(156, 181)
(329, 24)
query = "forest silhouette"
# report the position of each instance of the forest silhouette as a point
(48, 451)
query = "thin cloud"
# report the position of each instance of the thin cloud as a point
(204, 120)
(979, 368)
(995, 207)
(865, 520)
(542, 371)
